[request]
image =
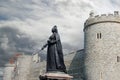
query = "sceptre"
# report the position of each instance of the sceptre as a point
(37, 51)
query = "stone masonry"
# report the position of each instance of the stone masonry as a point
(102, 47)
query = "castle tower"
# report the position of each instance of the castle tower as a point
(8, 71)
(23, 67)
(102, 47)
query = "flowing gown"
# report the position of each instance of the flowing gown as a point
(55, 60)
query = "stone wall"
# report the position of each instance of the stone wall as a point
(8, 71)
(34, 68)
(103, 18)
(22, 69)
(75, 64)
(102, 48)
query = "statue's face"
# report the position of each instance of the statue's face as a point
(54, 29)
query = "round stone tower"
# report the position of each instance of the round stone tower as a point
(102, 47)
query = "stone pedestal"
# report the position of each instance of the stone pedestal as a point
(55, 76)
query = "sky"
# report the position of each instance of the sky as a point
(25, 25)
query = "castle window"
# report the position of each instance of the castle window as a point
(99, 35)
(118, 58)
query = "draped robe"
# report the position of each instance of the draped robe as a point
(55, 60)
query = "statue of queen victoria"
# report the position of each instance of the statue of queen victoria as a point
(55, 60)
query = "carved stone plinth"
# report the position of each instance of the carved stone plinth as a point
(55, 76)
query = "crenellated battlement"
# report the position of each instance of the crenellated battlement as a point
(102, 18)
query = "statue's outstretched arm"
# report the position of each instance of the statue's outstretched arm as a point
(44, 46)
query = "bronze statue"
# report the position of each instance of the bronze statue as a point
(55, 60)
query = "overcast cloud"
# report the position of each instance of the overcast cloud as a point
(25, 25)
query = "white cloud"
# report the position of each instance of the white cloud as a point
(36, 17)
(4, 43)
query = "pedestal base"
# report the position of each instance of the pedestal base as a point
(55, 76)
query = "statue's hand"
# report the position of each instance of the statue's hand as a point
(42, 48)
(48, 41)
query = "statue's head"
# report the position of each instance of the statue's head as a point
(54, 29)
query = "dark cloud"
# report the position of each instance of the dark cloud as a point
(23, 9)
(25, 24)
(12, 41)
(1, 73)
(16, 9)
(30, 21)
